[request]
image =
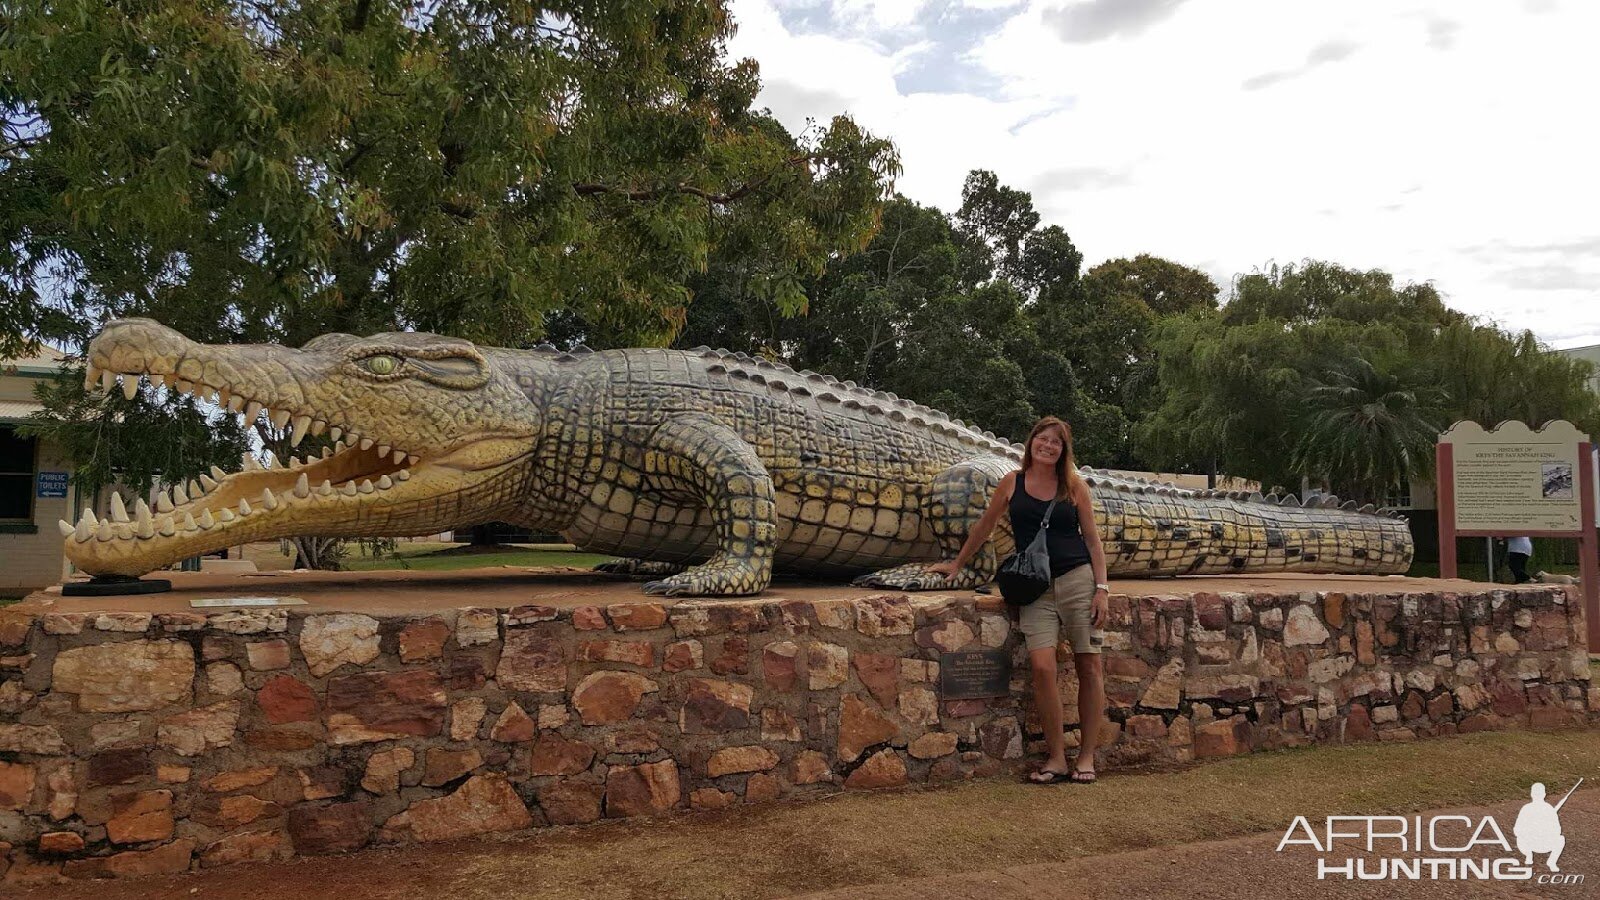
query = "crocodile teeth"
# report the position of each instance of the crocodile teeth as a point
(383, 450)
(272, 459)
(235, 403)
(244, 507)
(325, 489)
(64, 527)
(167, 528)
(108, 380)
(334, 433)
(145, 529)
(91, 375)
(348, 489)
(402, 475)
(248, 463)
(399, 457)
(206, 520)
(224, 397)
(141, 510)
(195, 490)
(189, 523)
(327, 452)
(184, 387)
(130, 386)
(225, 514)
(302, 487)
(318, 426)
(280, 419)
(302, 424)
(83, 531)
(366, 443)
(217, 473)
(103, 533)
(366, 486)
(208, 482)
(267, 499)
(251, 411)
(384, 483)
(412, 459)
(339, 446)
(119, 513)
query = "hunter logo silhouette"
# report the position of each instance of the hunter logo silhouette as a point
(1538, 828)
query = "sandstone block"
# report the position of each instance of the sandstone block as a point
(268, 656)
(513, 725)
(683, 655)
(125, 676)
(827, 665)
(167, 860)
(485, 803)
(642, 790)
(1303, 627)
(532, 660)
(604, 698)
(384, 767)
(328, 642)
(571, 803)
(948, 637)
(333, 828)
(633, 653)
(881, 675)
(885, 615)
(637, 616)
(932, 745)
(861, 725)
(881, 770)
(16, 785)
(423, 640)
(284, 699)
(556, 755)
(733, 760)
(466, 715)
(811, 767)
(199, 730)
(477, 626)
(251, 846)
(378, 706)
(140, 816)
(710, 706)
(778, 663)
(443, 766)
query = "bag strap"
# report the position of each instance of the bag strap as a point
(1045, 525)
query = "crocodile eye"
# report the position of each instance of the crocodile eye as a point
(381, 365)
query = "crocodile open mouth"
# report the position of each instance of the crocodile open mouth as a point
(356, 486)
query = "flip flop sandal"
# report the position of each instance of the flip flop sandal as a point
(1050, 777)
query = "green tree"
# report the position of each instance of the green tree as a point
(1166, 287)
(1364, 431)
(282, 168)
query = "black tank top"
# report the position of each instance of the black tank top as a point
(1064, 538)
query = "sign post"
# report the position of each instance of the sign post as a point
(1514, 481)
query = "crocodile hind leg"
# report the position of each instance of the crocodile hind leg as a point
(695, 455)
(638, 568)
(954, 503)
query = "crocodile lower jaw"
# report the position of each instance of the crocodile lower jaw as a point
(348, 492)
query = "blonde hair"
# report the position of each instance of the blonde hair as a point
(1067, 477)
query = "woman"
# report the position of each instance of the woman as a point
(1076, 601)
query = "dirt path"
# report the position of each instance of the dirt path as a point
(1250, 867)
(1131, 835)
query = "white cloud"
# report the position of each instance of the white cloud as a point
(1439, 141)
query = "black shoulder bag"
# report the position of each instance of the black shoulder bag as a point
(1026, 573)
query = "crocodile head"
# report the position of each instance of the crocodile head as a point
(429, 435)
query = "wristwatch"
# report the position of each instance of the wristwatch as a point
(1103, 587)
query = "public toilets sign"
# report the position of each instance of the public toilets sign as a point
(1515, 481)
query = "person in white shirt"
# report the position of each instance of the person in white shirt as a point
(1518, 550)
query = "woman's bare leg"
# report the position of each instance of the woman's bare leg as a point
(1047, 699)
(1091, 705)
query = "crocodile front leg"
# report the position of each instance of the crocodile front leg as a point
(953, 504)
(697, 455)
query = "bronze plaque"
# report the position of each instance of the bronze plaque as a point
(974, 674)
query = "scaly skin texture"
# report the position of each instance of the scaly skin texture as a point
(707, 468)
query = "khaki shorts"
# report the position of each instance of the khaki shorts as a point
(1064, 609)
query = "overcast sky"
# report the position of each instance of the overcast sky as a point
(1452, 141)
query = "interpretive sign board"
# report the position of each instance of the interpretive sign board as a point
(1514, 481)
(220, 602)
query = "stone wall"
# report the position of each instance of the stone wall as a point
(134, 744)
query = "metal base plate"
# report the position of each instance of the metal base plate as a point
(115, 585)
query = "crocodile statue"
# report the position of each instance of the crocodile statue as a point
(704, 470)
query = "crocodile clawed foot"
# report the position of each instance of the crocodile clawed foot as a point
(916, 577)
(718, 578)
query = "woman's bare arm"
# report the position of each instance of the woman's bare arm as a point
(1097, 552)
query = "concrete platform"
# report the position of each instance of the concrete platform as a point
(405, 592)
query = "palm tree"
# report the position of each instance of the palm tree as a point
(1365, 430)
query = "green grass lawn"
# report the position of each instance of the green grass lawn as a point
(442, 557)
